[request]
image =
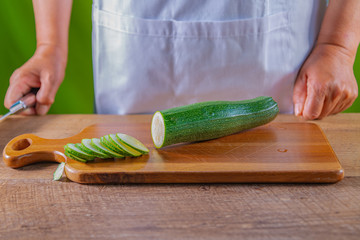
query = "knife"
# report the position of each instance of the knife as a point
(25, 102)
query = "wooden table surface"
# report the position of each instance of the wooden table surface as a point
(32, 206)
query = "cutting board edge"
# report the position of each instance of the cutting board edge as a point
(136, 177)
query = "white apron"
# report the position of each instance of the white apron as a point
(151, 55)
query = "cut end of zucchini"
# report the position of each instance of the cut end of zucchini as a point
(158, 130)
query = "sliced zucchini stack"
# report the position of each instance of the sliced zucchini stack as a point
(109, 146)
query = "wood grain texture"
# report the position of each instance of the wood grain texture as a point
(276, 152)
(32, 206)
(42, 209)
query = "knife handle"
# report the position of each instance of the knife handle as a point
(26, 101)
(29, 148)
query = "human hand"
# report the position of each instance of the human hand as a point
(326, 83)
(44, 70)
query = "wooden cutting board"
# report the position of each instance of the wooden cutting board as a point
(276, 152)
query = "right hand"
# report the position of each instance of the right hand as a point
(326, 83)
(44, 70)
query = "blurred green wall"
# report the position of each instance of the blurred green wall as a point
(17, 44)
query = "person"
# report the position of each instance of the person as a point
(152, 55)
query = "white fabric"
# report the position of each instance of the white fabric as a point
(151, 55)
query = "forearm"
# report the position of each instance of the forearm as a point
(340, 26)
(52, 19)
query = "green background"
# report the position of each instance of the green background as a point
(17, 44)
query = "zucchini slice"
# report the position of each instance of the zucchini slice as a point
(132, 142)
(59, 172)
(88, 148)
(129, 150)
(75, 151)
(69, 155)
(95, 142)
(108, 143)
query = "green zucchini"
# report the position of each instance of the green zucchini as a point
(106, 142)
(108, 146)
(74, 150)
(130, 151)
(96, 143)
(59, 172)
(72, 156)
(132, 142)
(210, 120)
(88, 148)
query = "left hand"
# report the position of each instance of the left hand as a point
(326, 83)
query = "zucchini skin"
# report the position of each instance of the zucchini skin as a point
(214, 119)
